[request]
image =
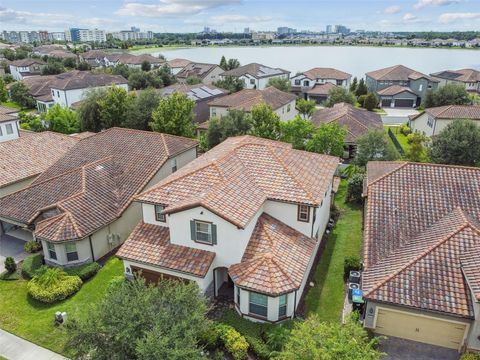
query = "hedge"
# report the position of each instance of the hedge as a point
(31, 264)
(233, 341)
(32, 246)
(85, 271)
(53, 284)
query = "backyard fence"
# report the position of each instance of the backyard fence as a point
(395, 142)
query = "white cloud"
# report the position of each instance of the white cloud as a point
(392, 9)
(425, 3)
(451, 17)
(409, 17)
(171, 7)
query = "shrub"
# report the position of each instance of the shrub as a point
(405, 130)
(85, 271)
(361, 99)
(10, 265)
(349, 264)
(32, 246)
(470, 356)
(31, 264)
(53, 284)
(210, 338)
(355, 187)
(233, 341)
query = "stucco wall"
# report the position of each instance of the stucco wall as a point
(212, 76)
(420, 124)
(68, 97)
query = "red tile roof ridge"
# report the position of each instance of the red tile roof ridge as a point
(467, 222)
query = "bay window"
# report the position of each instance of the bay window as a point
(282, 306)
(51, 251)
(258, 304)
(71, 250)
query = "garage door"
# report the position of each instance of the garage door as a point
(153, 277)
(386, 102)
(418, 328)
(404, 103)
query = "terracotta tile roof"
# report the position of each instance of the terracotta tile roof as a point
(419, 219)
(94, 54)
(93, 183)
(27, 62)
(83, 135)
(8, 111)
(326, 73)
(471, 112)
(198, 70)
(470, 263)
(464, 75)
(246, 99)
(130, 59)
(394, 90)
(31, 154)
(5, 118)
(175, 63)
(275, 260)
(322, 89)
(84, 79)
(235, 178)
(396, 73)
(151, 244)
(256, 70)
(357, 121)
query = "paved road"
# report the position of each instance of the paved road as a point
(397, 116)
(14, 348)
(400, 349)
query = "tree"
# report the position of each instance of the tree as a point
(353, 85)
(31, 122)
(306, 108)
(315, 340)
(417, 151)
(139, 113)
(265, 122)
(370, 102)
(338, 95)
(70, 62)
(121, 69)
(62, 120)
(89, 111)
(296, 132)
(84, 66)
(355, 187)
(223, 63)
(174, 115)
(20, 93)
(114, 106)
(361, 88)
(374, 145)
(450, 94)
(233, 64)
(136, 321)
(230, 83)
(282, 84)
(328, 139)
(457, 144)
(139, 79)
(3, 91)
(146, 66)
(53, 68)
(165, 75)
(235, 123)
(193, 80)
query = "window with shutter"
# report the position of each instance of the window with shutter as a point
(203, 232)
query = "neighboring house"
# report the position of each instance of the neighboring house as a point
(433, 120)
(132, 61)
(200, 93)
(24, 68)
(421, 253)
(207, 73)
(356, 121)
(55, 51)
(28, 155)
(39, 88)
(94, 57)
(244, 220)
(282, 103)
(81, 207)
(399, 86)
(9, 125)
(312, 83)
(470, 78)
(177, 65)
(256, 76)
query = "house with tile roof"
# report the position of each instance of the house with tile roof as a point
(256, 76)
(244, 221)
(94, 57)
(357, 122)
(177, 65)
(132, 61)
(281, 102)
(9, 128)
(21, 69)
(81, 207)
(207, 73)
(470, 78)
(420, 259)
(433, 120)
(315, 83)
(399, 86)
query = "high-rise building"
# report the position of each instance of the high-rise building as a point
(85, 35)
(285, 30)
(329, 29)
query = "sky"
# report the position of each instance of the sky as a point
(235, 15)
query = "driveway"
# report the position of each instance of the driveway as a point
(11, 246)
(397, 115)
(400, 349)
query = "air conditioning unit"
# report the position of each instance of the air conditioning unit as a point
(351, 287)
(354, 277)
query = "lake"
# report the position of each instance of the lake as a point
(355, 60)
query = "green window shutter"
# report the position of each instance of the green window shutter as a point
(214, 234)
(192, 230)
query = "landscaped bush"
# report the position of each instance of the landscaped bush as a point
(351, 263)
(355, 188)
(10, 265)
(470, 356)
(31, 264)
(405, 130)
(85, 271)
(233, 341)
(32, 246)
(53, 284)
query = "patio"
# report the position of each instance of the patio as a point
(11, 244)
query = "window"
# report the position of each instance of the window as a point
(58, 93)
(51, 251)
(214, 112)
(297, 82)
(1, 133)
(203, 232)
(252, 81)
(238, 296)
(174, 165)
(430, 121)
(258, 304)
(420, 87)
(303, 213)
(9, 129)
(158, 213)
(339, 82)
(282, 306)
(71, 250)
(306, 83)
(53, 93)
(288, 108)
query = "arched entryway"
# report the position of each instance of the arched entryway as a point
(223, 283)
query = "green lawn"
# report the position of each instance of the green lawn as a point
(327, 296)
(32, 320)
(402, 139)
(11, 104)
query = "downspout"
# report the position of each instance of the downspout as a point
(91, 247)
(295, 304)
(313, 222)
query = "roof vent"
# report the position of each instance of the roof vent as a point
(99, 167)
(273, 226)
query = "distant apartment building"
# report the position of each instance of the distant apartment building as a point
(130, 35)
(259, 36)
(85, 35)
(25, 37)
(283, 30)
(337, 29)
(56, 36)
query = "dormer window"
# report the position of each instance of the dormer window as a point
(158, 213)
(9, 129)
(303, 213)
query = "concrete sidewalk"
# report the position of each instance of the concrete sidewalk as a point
(14, 348)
